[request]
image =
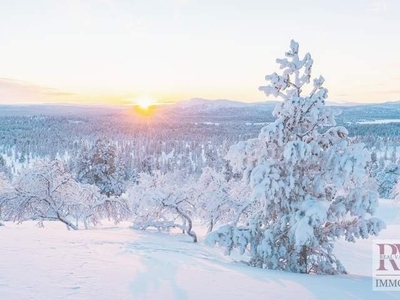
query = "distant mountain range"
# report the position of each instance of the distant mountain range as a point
(204, 110)
(206, 105)
(224, 109)
(220, 103)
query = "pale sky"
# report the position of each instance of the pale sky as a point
(111, 51)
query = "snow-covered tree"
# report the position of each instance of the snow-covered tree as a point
(44, 192)
(373, 165)
(217, 199)
(162, 202)
(387, 179)
(5, 187)
(396, 191)
(308, 180)
(48, 191)
(101, 166)
(4, 168)
(93, 207)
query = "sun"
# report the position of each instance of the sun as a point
(144, 102)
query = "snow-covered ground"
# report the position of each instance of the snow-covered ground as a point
(120, 263)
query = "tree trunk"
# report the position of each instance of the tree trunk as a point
(66, 222)
(303, 260)
(184, 225)
(211, 226)
(190, 224)
(85, 223)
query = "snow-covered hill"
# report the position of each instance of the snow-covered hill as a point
(219, 103)
(198, 109)
(221, 106)
(120, 263)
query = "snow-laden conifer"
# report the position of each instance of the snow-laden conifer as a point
(101, 166)
(308, 180)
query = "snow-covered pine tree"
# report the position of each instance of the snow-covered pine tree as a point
(309, 181)
(6, 170)
(101, 166)
(387, 179)
(373, 165)
(396, 191)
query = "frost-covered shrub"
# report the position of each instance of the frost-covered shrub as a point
(48, 191)
(217, 199)
(309, 182)
(5, 187)
(44, 192)
(162, 202)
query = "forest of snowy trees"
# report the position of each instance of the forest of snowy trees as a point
(281, 190)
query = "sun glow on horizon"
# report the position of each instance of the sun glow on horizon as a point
(144, 102)
(144, 107)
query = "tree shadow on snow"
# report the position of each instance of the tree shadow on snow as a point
(319, 286)
(163, 256)
(158, 278)
(149, 283)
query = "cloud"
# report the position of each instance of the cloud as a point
(59, 94)
(377, 6)
(13, 91)
(396, 91)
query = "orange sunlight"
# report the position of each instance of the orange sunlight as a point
(144, 111)
(144, 106)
